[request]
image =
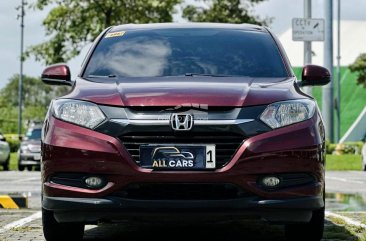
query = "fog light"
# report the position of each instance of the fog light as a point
(271, 181)
(94, 182)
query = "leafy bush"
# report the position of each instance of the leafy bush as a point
(13, 141)
(353, 147)
(346, 148)
(331, 148)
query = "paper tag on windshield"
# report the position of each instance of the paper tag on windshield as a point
(115, 34)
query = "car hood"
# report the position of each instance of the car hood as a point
(31, 142)
(175, 91)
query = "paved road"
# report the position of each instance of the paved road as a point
(349, 182)
(29, 183)
(243, 231)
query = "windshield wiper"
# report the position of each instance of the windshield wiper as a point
(102, 76)
(209, 75)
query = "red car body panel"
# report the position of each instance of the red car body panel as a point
(237, 92)
(292, 149)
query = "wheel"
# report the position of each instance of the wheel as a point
(21, 167)
(312, 231)
(37, 168)
(6, 164)
(29, 168)
(54, 231)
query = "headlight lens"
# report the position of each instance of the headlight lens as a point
(78, 112)
(24, 148)
(285, 113)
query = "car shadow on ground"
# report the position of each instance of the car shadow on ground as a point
(249, 231)
(233, 231)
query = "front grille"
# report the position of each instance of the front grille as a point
(181, 191)
(226, 145)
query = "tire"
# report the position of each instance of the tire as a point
(21, 167)
(54, 231)
(312, 231)
(6, 164)
(30, 168)
(37, 168)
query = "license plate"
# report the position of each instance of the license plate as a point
(178, 156)
(37, 157)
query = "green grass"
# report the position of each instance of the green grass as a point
(342, 231)
(13, 161)
(353, 97)
(343, 163)
(357, 216)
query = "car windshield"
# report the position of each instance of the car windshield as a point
(186, 52)
(34, 134)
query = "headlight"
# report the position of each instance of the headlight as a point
(78, 112)
(285, 113)
(24, 148)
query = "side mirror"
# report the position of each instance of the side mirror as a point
(315, 75)
(57, 74)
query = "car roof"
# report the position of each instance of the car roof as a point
(152, 26)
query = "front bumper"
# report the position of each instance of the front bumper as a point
(112, 209)
(29, 159)
(298, 148)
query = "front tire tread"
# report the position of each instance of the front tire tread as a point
(312, 231)
(55, 231)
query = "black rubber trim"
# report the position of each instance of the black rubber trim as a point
(96, 210)
(69, 204)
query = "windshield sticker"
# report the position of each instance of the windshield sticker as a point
(115, 34)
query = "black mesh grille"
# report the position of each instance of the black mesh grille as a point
(226, 145)
(182, 191)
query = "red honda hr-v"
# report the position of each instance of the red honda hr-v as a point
(166, 119)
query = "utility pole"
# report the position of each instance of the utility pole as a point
(327, 98)
(307, 44)
(20, 84)
(338, 130)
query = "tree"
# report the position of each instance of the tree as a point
(359, 66)
(36, 99)
(225, 11)
(72, 24)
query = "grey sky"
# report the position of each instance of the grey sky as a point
(282, 11)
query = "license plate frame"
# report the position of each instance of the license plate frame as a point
(178, 156)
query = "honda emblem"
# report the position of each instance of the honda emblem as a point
(181, 122)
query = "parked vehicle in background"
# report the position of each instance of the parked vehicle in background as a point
(169, 119)
(4, 153)
(363, 153)
(29, 154)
